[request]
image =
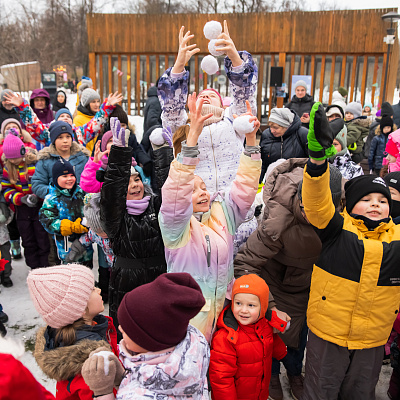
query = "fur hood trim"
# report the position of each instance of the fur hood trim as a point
(50, 151)
(378, 130)
(64, 363)
(364, 122)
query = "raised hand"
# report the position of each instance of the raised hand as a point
(120, 135)
(185, 51)
(13, 99)
(114, 98)
(167, 135)
(98, 154)
(196, 119)
(226, 45)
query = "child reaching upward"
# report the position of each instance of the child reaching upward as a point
(199, 239)
(355, 292)
(243, 347)
(219, 145)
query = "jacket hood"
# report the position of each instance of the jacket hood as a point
(152, 92)
(170, 372)
(364, 122)
(306, 99)
(51, 151)
(280, 196)
(39, 93)
(63, 363)
(378, 131)
(85, 111)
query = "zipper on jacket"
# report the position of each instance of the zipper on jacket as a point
(208, 251)
(215, 164)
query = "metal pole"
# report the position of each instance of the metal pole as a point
(386, 74)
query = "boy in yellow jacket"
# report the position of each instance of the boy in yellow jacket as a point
(355, 286)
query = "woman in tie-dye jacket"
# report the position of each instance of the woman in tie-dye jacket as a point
(199, 239)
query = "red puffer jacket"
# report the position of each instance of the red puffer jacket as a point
(65, 363)
(241, 356)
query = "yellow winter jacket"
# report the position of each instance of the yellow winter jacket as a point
(355, 285)
(82, 119)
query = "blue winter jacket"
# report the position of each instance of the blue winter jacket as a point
(42, 177)
(378, 145)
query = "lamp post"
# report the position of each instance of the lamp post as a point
(389, 39)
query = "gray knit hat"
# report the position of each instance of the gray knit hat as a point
(341, 137)
(91, 211)
(354, 108)
(9, 91)
(281, 116)
(88, 95)
(300, 83)
(335, 184)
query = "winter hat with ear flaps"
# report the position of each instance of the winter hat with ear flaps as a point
(60, 294)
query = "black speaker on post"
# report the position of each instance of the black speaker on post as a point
(276, 76)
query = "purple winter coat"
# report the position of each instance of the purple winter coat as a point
(46, 115)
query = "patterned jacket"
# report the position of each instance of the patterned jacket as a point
(220, 147)
(348, 168)
(178, 373)
(58, 205)
(91, 237)
(83, 134)
(204, 248)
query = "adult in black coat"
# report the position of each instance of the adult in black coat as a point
(301, 103)
(129, 214)
(285, 138)
(396, 113)
(152, 109)
(7, 111)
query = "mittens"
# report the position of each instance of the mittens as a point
(68, 227)
(76, 252)
(320, 135)
(30, 200)
(120, 135)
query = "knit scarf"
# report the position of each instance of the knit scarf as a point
(137, 207)
(217, 111)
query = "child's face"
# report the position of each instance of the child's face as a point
(200, 196)
(390, 158)
(130, 344)
(374, 206)
(135, 188)
(337, 145)
(210, 97)
(394, 193)
(109, 144)
(66, 181)
(60, 98)
(367, 109)
(246, 308)
(334, 116)
(13, 125)
(95, 304)
(387, 129)
(66, 118)
(349, 116)
(63, 143)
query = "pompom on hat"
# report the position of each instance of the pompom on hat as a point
(60, 294)
(156, 315)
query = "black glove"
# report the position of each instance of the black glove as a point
(148, 168)
(76, 252)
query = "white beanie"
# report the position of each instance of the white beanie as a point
(60, 294)
(88, 95)
(300, 83)
(281, 116)
(354, 108)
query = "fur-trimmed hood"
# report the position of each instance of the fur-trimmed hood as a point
(362, 121)
(63, 363)
(51, 151)
(378, 131)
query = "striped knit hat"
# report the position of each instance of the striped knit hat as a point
(60, 294)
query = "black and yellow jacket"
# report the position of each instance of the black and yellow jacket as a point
(355, 285)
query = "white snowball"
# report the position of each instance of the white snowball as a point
(105, 355)
(212, 29)
(156, 137)
(209, 65)
(213, 49)
(242, 125)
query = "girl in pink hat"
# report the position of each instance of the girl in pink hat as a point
(19, 167)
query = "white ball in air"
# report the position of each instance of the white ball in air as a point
(212, 29)
(242, 125)
(209, 65)
(214, 49)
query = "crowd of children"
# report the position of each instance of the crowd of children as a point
(320, 268)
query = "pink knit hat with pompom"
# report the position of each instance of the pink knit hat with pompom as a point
(60, 294)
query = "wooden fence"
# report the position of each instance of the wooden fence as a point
(128, 52)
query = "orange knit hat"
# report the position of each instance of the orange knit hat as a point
(252, 284)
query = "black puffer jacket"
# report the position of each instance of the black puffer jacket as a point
(301, 106)
(135, 239)
(152, 109)
(5, 114)
(293, 144)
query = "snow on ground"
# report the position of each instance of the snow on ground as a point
(24, 321)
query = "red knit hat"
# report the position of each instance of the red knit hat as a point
(156, 315)
(215, 91)
(391, 148)
(13, 147)
(252, 284)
